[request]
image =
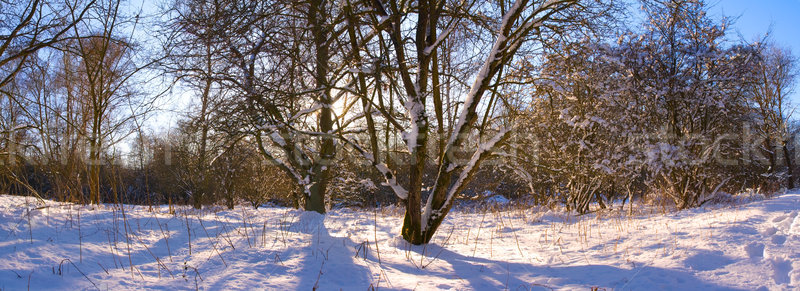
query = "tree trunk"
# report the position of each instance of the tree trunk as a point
(202, 169)
(316, 199)
(94, 161)
(773, 164)
(412, 222)
(321, 169)
(789, 166)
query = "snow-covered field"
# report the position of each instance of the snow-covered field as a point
(61, 246)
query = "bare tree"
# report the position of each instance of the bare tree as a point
(27, 27)
(193, 57)
(102, 57)
(274, 63)
(418, 80)
(775, 76)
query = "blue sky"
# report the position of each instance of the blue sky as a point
(756, 17)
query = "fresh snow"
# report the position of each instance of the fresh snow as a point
(731, 246)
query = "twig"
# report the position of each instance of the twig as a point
(316, 284)
(213, 243)
(189, 232)
(76, 268)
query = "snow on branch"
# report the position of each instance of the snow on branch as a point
(416, 113)
(483, 150)
(388, 174)
(442, 37)
(469, 169)
(487, 70)
(286, 167)
(301, 113)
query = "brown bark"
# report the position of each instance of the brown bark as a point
(789, 166)
(321, 169)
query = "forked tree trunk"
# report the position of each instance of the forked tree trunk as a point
(418, 226)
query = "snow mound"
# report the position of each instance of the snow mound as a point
(309, 222)
(497, 200)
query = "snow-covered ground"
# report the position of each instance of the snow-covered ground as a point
(61, 246)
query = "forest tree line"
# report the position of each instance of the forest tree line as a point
(326, 103)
